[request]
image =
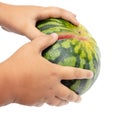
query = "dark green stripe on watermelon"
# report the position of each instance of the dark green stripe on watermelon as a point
(75, 47)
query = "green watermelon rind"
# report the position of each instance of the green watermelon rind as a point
(72, 52)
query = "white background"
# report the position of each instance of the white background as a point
(102, 101)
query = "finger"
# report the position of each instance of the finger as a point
(55, 12)
(44, 41)
(74, 73)
(56, 101)
(66, 94)
(38, 104)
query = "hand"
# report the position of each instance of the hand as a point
(22, 19)
(35, 80)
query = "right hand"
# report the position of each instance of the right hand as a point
(36, 80)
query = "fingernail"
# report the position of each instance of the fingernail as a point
(77, 22)
(54, 35)
(91, 75)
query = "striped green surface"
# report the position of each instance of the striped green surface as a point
(76, 48)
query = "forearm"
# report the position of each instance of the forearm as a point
(4, 16)
(2, 10)
(6, 87)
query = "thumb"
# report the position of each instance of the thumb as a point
(44, 41)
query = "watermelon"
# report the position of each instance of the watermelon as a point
(75, 47)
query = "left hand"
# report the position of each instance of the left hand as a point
(22, 19)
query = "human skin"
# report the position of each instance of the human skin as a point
(26, 17)
(26, 77)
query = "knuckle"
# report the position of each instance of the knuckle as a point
(73, 97)
(69, 97)
(63, 102)
(48, 39)
(81, 73)
(57, 102)
(50, 102)
(53, 101)
(44, 37)
(76, 73)
(53, 75)
(58, 10)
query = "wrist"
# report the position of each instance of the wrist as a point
(1, 12)
(4, 17)
(6, 85)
